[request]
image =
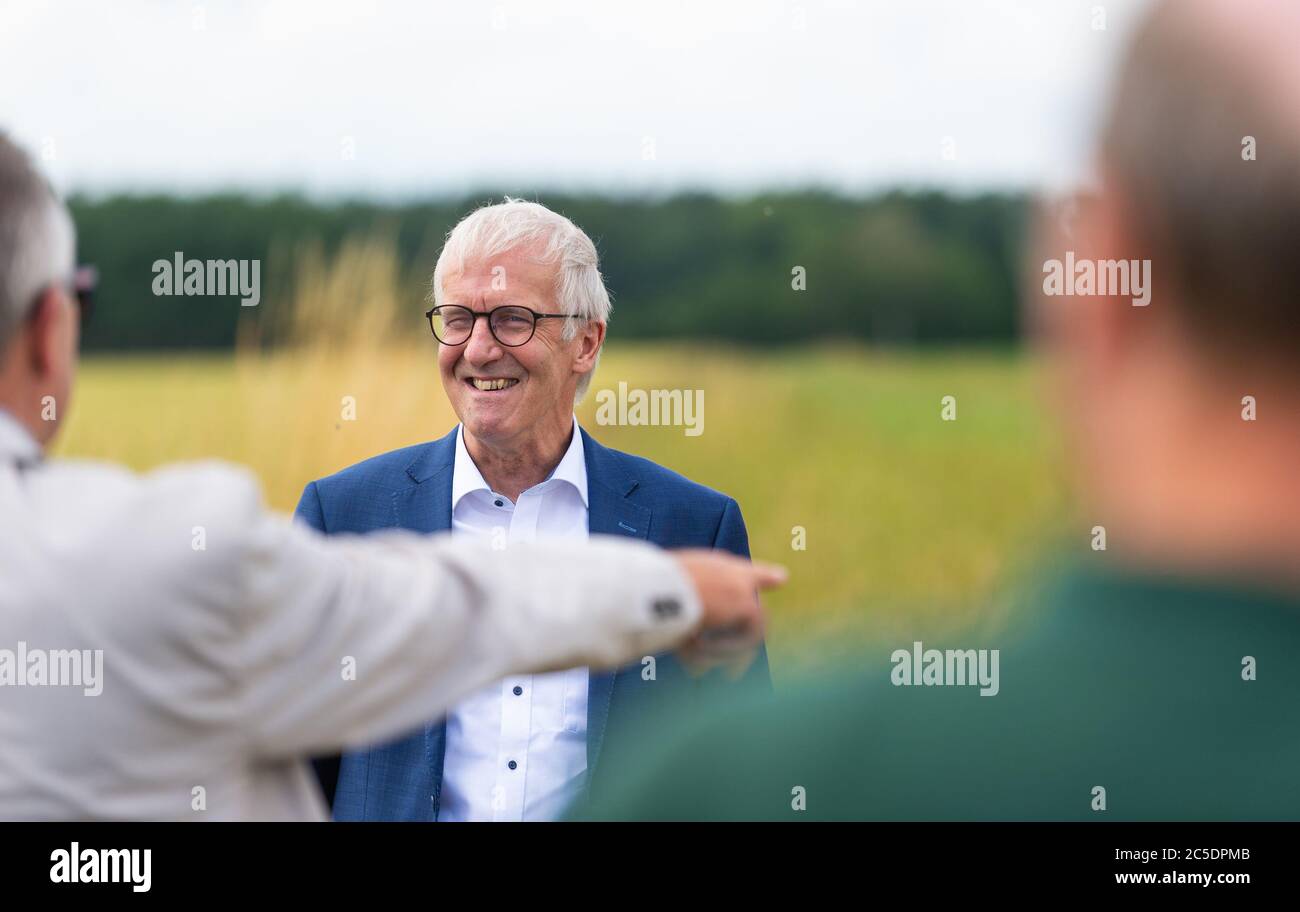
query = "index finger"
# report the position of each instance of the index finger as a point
(769, 576)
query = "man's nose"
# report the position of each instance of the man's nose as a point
(482, 346)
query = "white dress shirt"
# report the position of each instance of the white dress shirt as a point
(517, 750)
(232, 644)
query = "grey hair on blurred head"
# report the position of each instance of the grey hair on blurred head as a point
(37, 237)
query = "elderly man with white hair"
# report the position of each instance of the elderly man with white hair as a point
(520, 313)
(171, 650)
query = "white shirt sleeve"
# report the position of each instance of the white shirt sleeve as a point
(350, 640)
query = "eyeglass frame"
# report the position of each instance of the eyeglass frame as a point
(475, 314)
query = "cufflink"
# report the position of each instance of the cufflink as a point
(665, 608)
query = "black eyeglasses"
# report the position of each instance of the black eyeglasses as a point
(84, 282)
(510, 324)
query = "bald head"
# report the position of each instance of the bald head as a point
(1203, 145)
(1183, 417)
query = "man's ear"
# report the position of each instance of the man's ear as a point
(1091, 332)
(590, 338)
(43, 334)
(1117, 329)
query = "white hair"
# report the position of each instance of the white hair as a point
(37, 238)
(492, 230)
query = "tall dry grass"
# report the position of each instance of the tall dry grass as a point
(356, 375)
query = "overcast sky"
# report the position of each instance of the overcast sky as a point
(415, 99)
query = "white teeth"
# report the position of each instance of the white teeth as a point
(493, 384)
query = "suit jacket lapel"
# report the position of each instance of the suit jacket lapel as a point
(424, 505)
(609, 512)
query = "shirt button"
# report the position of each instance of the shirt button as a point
(512, 764)
(500, 503)
(518, 690)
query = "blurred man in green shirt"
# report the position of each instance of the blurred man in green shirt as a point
(1160, 678)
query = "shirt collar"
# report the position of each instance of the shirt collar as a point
(16, 444)
(466, 478)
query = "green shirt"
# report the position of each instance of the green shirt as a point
(1135, 685)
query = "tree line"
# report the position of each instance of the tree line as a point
(909, 268)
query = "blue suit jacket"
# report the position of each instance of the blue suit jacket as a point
(627, 495)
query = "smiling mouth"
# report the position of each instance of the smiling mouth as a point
(491, 384)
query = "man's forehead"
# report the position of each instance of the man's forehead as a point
(503, 271)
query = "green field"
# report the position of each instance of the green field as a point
(913, 524)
